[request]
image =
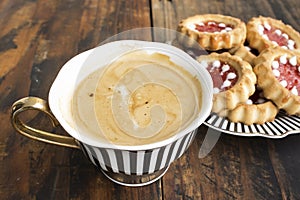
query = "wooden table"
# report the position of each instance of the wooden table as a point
(37, 37)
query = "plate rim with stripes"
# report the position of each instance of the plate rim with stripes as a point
(282, 126)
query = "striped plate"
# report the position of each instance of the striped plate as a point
(282, 126)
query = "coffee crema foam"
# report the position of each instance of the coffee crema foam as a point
(139, 98)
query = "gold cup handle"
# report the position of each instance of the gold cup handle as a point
(35, 103)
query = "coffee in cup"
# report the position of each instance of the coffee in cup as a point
(122, 88)
(140, 98)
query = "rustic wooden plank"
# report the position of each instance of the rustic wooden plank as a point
(167, 14)
(39, 43)
(258, 172)
(237, 168)
(110, 18)
(14, 160)
(283, 155)
(16, 35)
(34, 163)
(213, 177)
(57, 42)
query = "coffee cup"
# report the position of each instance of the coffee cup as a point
(130, 146)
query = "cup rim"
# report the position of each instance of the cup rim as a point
(206, 85)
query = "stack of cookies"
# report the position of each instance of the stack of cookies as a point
(255, 67)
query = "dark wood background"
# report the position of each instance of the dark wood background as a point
(37, 37)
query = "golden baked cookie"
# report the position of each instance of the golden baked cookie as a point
(244, 52)
(233, 80)
(266, 32)
(278, 74)
(213, 31)
(256, 110)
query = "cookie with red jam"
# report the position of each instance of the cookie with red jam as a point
(256, 110)
(233, 80)
(278, 74)
(266, 32)
(213, 31)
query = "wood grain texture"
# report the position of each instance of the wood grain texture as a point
(169, 13)
(37, 37)
(237, 168)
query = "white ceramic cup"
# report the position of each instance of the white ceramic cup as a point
(131, 165)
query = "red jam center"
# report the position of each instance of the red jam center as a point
(276, 36)
(224, 76)
(273, 35)
(212, 27)
(289, 74)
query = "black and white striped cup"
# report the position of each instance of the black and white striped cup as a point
(125, 164)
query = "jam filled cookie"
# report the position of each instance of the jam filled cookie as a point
(256, 110)
(214, 32)
(265, 32)
(278, 74)
(233, 80)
